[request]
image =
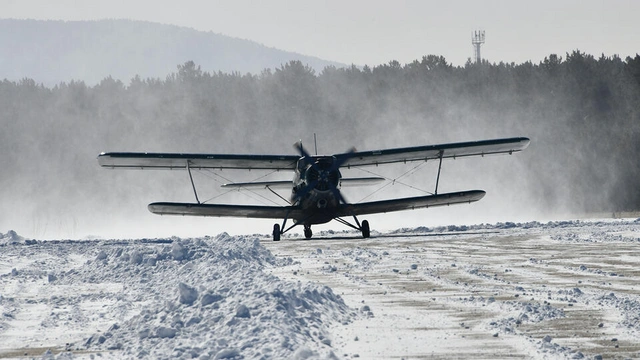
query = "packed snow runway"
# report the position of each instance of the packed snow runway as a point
(556, 290)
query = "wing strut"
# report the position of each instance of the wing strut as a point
(278, 195)
(192, 184)
(439, 168)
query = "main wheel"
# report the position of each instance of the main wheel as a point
(307, 232)
(366, 232)
(276, 232)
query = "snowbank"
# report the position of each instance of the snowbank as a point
(208, 299)
(11, 237)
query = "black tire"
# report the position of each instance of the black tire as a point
(308, 233)
(276, 232)
(366, 232)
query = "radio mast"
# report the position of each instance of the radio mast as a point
(477, 39)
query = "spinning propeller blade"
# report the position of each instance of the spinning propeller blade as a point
(335, 166)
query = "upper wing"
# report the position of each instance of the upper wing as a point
(384, 206)
(251, 211)
(430, 152)
(128, 160)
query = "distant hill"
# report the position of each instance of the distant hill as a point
(51, 52)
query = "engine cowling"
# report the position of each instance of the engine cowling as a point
(323, 175)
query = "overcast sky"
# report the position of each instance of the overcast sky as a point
(377, 31)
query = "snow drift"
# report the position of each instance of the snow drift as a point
(207, 298)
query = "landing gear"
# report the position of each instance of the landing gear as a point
(363, 227)
(366, 232)
(276, 232)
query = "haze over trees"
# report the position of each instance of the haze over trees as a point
(580, 111)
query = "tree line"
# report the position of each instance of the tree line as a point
(581, 112)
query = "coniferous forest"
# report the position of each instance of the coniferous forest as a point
(581, 112)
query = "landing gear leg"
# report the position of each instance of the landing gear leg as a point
(364, 227)
(366, 232)
(307, 232)
(276, 232)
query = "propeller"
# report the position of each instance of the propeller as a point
(322, 177)
(308, 160)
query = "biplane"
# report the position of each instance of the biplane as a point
(317, 180)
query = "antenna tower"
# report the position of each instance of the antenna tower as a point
(477, 39)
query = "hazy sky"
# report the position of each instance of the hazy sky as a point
(377, 31)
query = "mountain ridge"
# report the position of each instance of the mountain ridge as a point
(55, 51)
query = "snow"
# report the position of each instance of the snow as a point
(567, 289)
(206, 298)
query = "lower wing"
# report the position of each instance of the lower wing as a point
(292, 212)
(250, 211)
(419, 202)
